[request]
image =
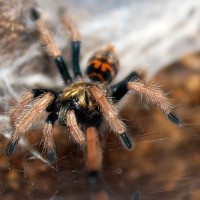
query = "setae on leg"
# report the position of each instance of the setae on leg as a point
(153, 93)
(24, 121)
(49, 145)
(93, 155)
(52, 49)
(111, 116)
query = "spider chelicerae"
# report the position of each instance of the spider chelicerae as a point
(83, 104)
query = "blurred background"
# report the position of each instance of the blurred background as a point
(160, 40)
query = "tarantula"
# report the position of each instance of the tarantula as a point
(82, 104)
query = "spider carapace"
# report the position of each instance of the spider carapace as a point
(83, 105)
(78, 97)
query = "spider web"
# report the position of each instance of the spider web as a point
(148, 35)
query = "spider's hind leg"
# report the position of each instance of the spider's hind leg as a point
(112, 117)
(75, 131)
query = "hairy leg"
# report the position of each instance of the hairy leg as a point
(74, 128)
(49, 145)
(119, 90)
(52, 49)
(152, 93)
(93, 154)
(22, 123)
(111, 116)
(15, 113)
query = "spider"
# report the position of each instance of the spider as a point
(84, 103)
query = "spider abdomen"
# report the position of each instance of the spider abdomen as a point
(103, 66)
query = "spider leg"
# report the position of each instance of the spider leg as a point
(53, 50)
(111, 116)
(55, 104)
(93, 155)
(154, 94)
(48, 136)
(26, 99)
(149, 91)
(23, 122)
(93, 163)
(120, 89)
(75, 45)
(75, 130)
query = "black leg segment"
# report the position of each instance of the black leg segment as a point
(120, 89)
(11, 148)
(93, 176)
(75, 45)
(62, 67)
(94, 180)
(136, 196)
(126, 141)
(174, 119)
(38, 92)
(51, 119)
(51, 155)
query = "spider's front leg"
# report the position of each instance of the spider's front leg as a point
(49, 145)
(21, 118)
(150, 92)
(93, 156)
(111, 116)
(75, 131)
(91, 140)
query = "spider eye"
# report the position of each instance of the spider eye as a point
(103, 66)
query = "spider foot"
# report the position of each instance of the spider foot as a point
(93, 176)
(11, 148)
(51, 156)
(136, 196)
(93, 180)
(174, 119)
(126, 141)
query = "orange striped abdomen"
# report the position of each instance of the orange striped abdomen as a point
(103, 66)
